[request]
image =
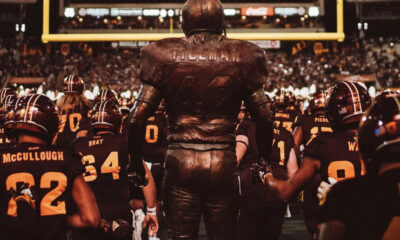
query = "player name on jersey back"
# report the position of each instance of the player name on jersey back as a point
(33, 156)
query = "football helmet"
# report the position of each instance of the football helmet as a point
(106, 115)
(73, 84)
(107, 95)
(281, 100)
(36, 113)
(379, 133)
(125, 105)
(291, 98)
(203, 16)
(318, 101)
(10, 114)
(347, 103)
(4, 93)
(4, 107)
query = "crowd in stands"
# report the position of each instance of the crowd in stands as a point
(154, 23)
(119, 69)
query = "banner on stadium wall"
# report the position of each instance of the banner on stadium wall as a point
(270, 44)
(257, 11)
(126, 12)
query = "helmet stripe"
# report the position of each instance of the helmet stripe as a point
(358, 97)
(352, 96)
(34, 103)
(26, 108)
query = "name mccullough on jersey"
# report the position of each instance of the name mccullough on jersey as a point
(33, 156)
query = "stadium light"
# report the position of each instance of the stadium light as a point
(114, 37)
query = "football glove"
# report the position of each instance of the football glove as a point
(24, 197)
(324, 189)
(118, 228)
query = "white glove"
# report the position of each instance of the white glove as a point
(324, 188)
(139, 219)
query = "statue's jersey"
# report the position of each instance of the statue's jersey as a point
(203, 85)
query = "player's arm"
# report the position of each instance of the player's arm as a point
(242, 143)
(88, 213)
(150, 195)
(292, 166)
(146, 104)
(332, 230)
(288, 189)
(298, 137)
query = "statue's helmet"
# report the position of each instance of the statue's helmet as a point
(203, 16)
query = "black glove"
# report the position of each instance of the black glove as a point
(135, 179)
(259, 170)
(24, 197)
(118, 228)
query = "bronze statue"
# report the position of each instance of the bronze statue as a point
(203, 78)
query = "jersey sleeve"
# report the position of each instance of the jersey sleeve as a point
(257, 70)
(316, 147)
(151, 68)
(243, 129)
(74, 166)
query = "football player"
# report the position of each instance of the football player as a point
(203, 78)
(105, 157)
(335, 154)
(37, 180)
(6, 96)
(308, 128)
(261, 210)
(286, 116)
(73, 108)
(368, 207)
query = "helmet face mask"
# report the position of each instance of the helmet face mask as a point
(203, 16)
(347, 104)
(379, 134)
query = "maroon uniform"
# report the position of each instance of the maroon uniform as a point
(312, 125)
(70, 124)
(51, 171)
(338, 153)
(261, 211)
(105, 158)
(286, 119)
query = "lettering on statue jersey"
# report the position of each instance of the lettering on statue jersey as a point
(353, 146)
(321, 120)
(212, 56)
(95, 142)
(33, 156)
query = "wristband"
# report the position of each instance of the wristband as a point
(151, 211)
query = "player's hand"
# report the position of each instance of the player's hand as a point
(324, 189)
(151, 221)
(118, 228)
(259, 171)
(136, 179)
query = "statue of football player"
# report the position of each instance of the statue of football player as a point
(203, 78)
